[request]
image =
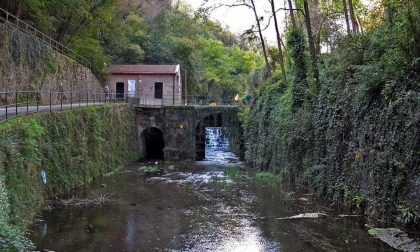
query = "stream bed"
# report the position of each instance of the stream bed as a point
(194, 207)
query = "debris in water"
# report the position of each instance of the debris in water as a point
(99, 200)
(395, 238)
(305, 216)
(90, 228)
(349, 216)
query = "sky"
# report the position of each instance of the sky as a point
(239, 19)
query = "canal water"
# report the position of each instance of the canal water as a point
(192, 206)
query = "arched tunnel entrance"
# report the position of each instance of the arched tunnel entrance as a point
(214, 120)
(152, 144)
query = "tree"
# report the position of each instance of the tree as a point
(346, 15)
(279, 41)
(354, 23)
(258, 20)
(314, 61)
(292, 15)
(250, 4)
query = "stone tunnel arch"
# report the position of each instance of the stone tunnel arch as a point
(152, 144)
(212, 120)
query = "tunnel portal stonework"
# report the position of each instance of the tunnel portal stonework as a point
(183, 128)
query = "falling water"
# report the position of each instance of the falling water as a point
(216, 139)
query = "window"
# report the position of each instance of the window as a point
(158, 90)
(132, 88)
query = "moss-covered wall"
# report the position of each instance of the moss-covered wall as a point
(72, 147)
(358, 146)
(28, 64)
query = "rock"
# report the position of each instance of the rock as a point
(303, 199)
(305, 216)
(103, 185)
(395, 238)
(90, 228)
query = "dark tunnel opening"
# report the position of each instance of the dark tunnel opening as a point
(154, 143)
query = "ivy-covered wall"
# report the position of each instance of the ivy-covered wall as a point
(72, 147)
(357, 142)
(28, 64)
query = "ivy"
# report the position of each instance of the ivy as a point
(357, 143)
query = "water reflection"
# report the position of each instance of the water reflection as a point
(196, 208)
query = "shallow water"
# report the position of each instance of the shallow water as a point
(195, 208)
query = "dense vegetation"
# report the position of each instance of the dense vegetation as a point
(132, 32)
(353, 135)
(72, 147)
(338, 112)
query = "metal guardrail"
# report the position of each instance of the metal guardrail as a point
(170, 100)
(30, 30)
(17, 103)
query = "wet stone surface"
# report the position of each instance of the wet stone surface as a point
(196, 207)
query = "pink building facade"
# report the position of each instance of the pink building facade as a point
(152, 84)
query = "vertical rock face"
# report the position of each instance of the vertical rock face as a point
(26, 63)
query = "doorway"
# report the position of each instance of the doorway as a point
(119, 89)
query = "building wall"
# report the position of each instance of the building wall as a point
(145, 85)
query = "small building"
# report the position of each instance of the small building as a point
(152, 84)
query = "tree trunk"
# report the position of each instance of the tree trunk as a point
(64, 28)
(388, 12)
(346, 15)
(354, 23)
(292, 15)
(314, 60)
(281, 57)
(261, 36)
(18, 8)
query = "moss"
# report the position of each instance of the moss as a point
(356, 144)
(72, 147)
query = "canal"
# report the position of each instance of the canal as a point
(211, 205)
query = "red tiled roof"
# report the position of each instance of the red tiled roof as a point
(142, 69)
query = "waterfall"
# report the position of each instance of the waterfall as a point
(216, 139)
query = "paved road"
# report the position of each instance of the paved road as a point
(11, 111)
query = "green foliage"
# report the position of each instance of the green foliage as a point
(270, 179)
(113, 31)
(24, 46)
(296, 46)
(356, 143)
(225, 69)
(408, 215)
(72, 147)
(233, 172)
(149, 170)
(244, 116)
(13, 240)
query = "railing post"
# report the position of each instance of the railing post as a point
(87, 99)
(27, 103)
(80, 101)
(50, 100)
(16, 102)
(61, 101)
(71, 100)
(7, 103)
(37, 102)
